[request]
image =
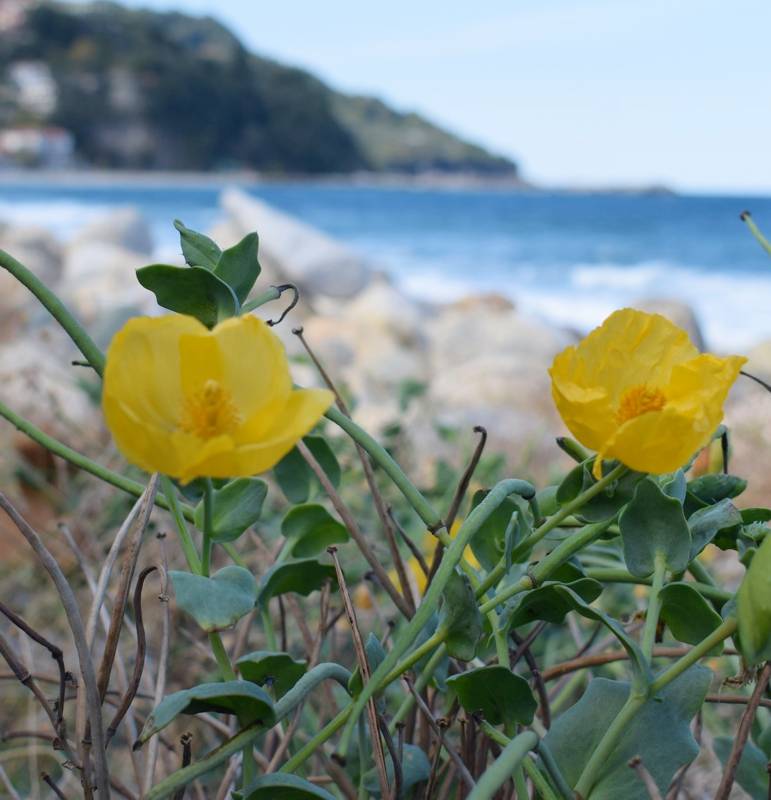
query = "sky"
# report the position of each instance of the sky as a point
(578, 92)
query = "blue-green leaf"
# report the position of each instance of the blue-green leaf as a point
(250, 702)
(236, 507)
(687, 614)
(652, 525)
(294, 476)
(219, 601)
(575, 734)
(705, 523)
(279, 670)
(415, 769)
(753, 605)
(190, 290)
(301, 575)
(459, 618)
(282, 786)
(238, 266)
(199, 250)
(751, 774)
(310, 529)
(495, 692)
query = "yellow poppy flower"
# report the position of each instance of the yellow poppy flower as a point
(192, 402)
(637, 390)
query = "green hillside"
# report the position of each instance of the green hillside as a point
(145, 90)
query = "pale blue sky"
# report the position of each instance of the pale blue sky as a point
(591, 92)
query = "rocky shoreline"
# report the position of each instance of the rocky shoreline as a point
(478, 361)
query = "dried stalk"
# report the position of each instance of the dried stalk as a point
(353, 529)
(361, 657)
(84, 656)
(460, 493)
(126, 574)
(742, 734)
(380, 506)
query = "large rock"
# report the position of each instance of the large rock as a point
(38, 382)
(37, 250)
(100, 279)
(297, 252)
(122, 227)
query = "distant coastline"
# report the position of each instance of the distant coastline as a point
(398, 180)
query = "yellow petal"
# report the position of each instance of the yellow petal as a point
(658, 442)
(143, 367)
(301, 413)
(255, 367)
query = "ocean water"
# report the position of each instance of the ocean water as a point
(567, 258)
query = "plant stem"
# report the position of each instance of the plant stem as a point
(329, 730)
(127, 485)
(654, 605)
(694, 654)
(502, 768)
(221, 656)
(420, 684)
(561, 553)
(542, 785)
(608, 743)
(185, 540)
(419, 652)
(431, 599)
(553, 522)
(635, 701)
(57, 309)
(208, 526)
(617, 575)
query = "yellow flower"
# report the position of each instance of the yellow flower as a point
(636, 389)
(191, 402)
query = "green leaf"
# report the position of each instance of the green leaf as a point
(278, 670)
(715, 487)
(219, 601)
(459, 617)
(415, 769)
(295, 477)
(501, 531)
(495, 692)
(753, 605)
(282, 786)
(705, 523)
(575, 734)
(301, 575)
(190, 290)
(654, 524)
(236, 507)
(676, 486)
(238, 266)
(375, 657)
(687, 614)
(310, 529)
(199, 250)
(548, 603)
(250, 702)
(751, 774)
(608, 502)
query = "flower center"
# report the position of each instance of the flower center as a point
(210, 412)
(639, 400)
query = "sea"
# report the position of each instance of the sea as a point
(565, 257)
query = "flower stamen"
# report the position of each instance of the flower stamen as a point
(210, 412)
(639, 400)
